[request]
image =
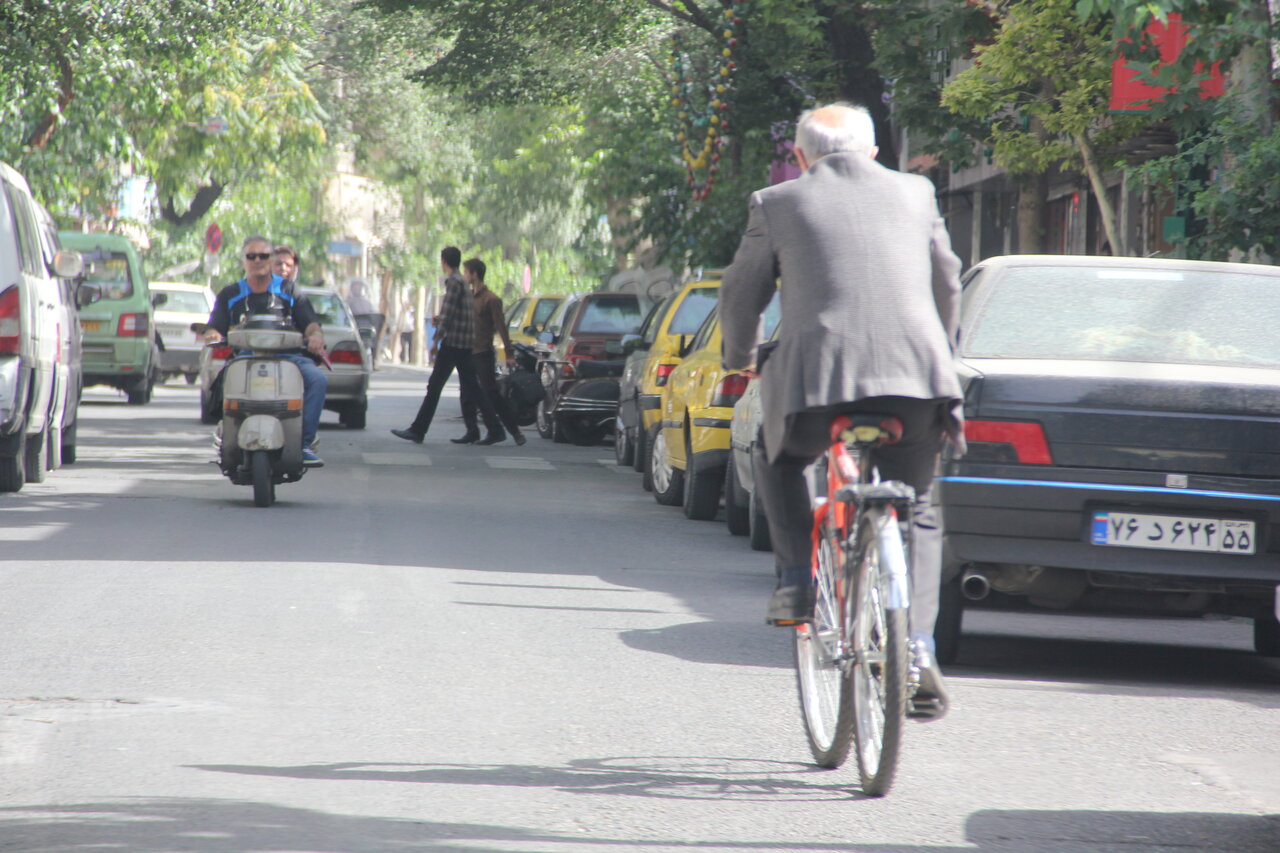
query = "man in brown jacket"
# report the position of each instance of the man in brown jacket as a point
(490, 321)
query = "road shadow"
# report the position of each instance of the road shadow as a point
(206, 825)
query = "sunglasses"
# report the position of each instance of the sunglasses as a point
(256, 256)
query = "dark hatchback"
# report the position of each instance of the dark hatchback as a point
(1123, 423)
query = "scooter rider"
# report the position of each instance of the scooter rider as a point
(262, 292)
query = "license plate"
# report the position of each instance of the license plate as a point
(91, 325)
(1174, 532)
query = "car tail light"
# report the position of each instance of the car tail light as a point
(10, 321)
(1007, 441)
(730, 390)
(345, 353)
(133, 326)
(664, 372)
(221, 353)
(581, 350)
(566, 370)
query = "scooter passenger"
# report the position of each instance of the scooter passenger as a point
(262, 292)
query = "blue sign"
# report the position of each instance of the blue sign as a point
(345, 247)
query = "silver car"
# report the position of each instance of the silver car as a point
(348, 393)
(183, 304)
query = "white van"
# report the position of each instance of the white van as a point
(31, 305)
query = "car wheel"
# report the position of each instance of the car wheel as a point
(192, 378)
(13, 469)
(140, 392)
(37, 462)
(546, 427)
(1266, 635)
(638, 460)
(758, 534)
(736, 501)
(946, 631)
(208, 415)
(354, 415)
(69, 445)
(668, 480)
(647, 444)
(624, 444)
(703, 485)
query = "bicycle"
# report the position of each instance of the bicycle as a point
(853, 663)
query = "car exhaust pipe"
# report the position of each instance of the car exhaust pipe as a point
(974, 585)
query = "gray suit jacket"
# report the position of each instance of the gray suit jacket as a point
(870, 291)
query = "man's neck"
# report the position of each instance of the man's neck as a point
(478, 288)
(259, 283)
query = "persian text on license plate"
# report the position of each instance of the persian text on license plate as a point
(1174, 532)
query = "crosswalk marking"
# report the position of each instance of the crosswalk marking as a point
(519, 463)
(420, 460)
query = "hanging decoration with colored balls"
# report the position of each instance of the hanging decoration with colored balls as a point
(701, 104)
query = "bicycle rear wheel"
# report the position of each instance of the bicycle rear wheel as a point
(880, 670)
(822, 665)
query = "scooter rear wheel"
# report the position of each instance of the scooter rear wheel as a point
(264, 491)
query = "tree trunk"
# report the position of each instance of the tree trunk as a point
(66, 92)
(200, 204)
(1033, 208)
(1105, 209)
(849, 41)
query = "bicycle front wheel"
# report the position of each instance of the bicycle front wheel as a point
(822, 665)
(880, 652)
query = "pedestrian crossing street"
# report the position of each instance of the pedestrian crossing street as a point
(498, 463)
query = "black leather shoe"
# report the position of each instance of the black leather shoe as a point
(931, 700)
(519, 439)
(492, 438)
(469, 438)
(790, 605)
(407, 435)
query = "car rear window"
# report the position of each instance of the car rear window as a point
(185, 301)
(109, 271)
(693, 309)
(543, 310)
(329, 309)
(610, 315)
(1128, 314)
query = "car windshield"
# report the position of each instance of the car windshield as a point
(185, 301)
(109, 272)
(1165, 315)
(610, 315)
(329, 308)
(543, 310)
(694, 308)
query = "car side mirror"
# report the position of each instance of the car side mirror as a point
(87, 294)
(158, 299)
(67, 264)
(531, 330)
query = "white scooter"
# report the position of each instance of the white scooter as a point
(259, 441)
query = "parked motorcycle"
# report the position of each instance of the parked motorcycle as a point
(521, 387)
(581, 399)
(259, 441)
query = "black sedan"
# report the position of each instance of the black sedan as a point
(1123, 423)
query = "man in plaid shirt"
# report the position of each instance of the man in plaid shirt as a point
(451, 349)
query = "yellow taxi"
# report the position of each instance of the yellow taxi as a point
(527, 315)
(651, 356)
(689, 453)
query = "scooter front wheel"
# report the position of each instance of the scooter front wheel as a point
(264, 491)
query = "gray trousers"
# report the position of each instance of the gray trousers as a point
(913, 460)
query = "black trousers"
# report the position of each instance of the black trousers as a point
(449, 359)
(486, 366)
(785, 494)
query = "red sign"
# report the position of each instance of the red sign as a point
(213, 239)
(1129, 94)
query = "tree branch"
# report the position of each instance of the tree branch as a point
(200, 204)
(694, 15)
(66, 92)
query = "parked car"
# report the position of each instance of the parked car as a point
(653, 354)
(69, 370)
(744, 512)
(591, 329)
(120, 343)
(348, 392)
(1123, 420)
(527, 315)
(31, 309)
(183, 304)
(689, 451)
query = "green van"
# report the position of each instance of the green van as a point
(119, 329)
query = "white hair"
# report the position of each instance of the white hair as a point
(854, 131)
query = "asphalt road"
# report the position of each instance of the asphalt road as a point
(515, 649)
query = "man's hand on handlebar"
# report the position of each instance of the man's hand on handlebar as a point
(315, 344)
(212, 336)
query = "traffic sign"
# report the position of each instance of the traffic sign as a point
(213, 238)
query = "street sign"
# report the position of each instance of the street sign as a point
(213, 238)
(349, 248)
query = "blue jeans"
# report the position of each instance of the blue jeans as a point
(314, 386)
